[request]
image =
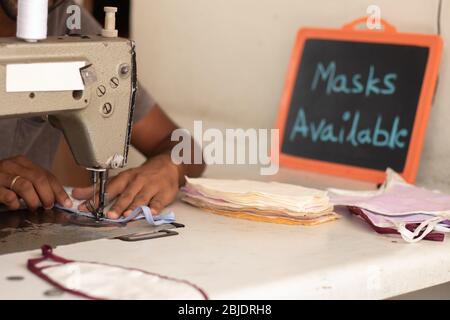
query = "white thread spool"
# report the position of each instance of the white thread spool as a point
(109, 31)
(32, 20)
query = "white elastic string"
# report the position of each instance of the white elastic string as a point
(413, 237)
(442, 228)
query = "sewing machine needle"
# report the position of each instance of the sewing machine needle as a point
(103, 175)
(94, 206)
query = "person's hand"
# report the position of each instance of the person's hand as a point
(22, 179)
(155, 183)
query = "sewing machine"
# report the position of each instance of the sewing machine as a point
(84, 85)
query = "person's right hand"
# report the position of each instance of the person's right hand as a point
(22, 179)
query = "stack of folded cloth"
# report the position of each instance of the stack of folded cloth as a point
(260, 201)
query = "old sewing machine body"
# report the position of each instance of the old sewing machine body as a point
(85, 85)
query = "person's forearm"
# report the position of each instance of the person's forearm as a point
(164, 149)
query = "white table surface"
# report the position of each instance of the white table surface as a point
(238, 259)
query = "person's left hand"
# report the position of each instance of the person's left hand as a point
(155, 183)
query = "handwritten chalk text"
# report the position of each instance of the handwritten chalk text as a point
(380, 135)
(353, 84)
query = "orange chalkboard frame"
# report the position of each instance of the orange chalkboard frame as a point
(388, 35)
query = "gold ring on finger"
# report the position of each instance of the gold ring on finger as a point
(13, 182)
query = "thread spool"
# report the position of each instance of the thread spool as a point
(110, 31)
(32, 20)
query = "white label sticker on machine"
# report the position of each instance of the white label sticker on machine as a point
(54, 76)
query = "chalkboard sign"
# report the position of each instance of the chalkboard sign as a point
(357, 102)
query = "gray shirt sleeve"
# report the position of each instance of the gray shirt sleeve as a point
(57, 26)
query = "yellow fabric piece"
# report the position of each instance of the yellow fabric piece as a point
(287, 221)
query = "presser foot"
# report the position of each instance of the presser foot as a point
(98, 213)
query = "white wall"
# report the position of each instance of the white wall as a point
(225, 61)
(228, 58)
(435, 165)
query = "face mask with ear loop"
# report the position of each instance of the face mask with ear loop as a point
(12, 14)
(413, 212)
(99, 281)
